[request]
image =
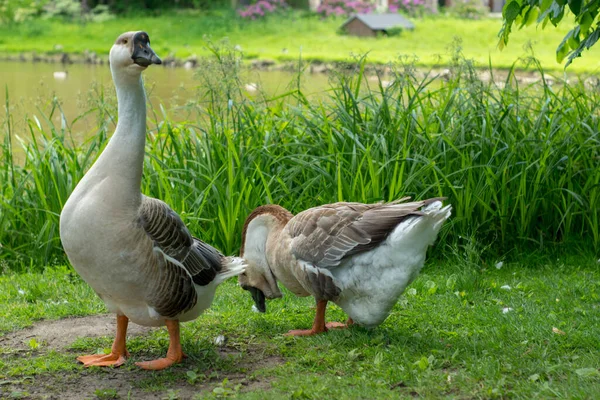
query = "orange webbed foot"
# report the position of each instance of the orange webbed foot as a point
(103, 360)
(316, 330)
(160, 363)
(174, 355)
(303, 332)
(319, 325)
(335, 325)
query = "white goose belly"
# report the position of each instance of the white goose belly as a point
(114, 264)
(370, 290)
(118, 280)
(372, 282)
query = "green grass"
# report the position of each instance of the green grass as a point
(446, 338)
(518, 163)
(56, 293)
(183, 34)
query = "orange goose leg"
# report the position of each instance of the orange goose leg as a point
(174, 354)
(319, 325)
(118, 354)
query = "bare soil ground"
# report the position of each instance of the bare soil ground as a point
(126, 383)
(60, 334)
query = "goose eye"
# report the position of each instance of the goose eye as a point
(124, 41)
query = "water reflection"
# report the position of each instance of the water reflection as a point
(38, 90)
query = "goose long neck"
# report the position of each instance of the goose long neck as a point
(132, 107)
(123, 157)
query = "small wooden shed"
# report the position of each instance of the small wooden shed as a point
(374, 24)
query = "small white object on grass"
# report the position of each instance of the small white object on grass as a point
(21, 292)
(506, 310)
(505, 287)
(499, 264)
(220, 340)
(251, 87)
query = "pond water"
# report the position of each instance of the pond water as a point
(34, 89)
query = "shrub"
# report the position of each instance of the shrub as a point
(20, 10)
(66, 9)
(344, 7)
(469, 9)
(410, 7)
(262, 8)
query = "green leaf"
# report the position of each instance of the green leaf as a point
(585, 22)
(545, 22)
(563, 48)
(219, 391)
(431, 287)
(534, 377)
(587, 372)
(575, 6)
(574, 39)
(552, 9)
(531, 17)
(556, 13)
(501, 44)
(545, 5)
(591, 7)
(586, 43)
(423, 363)
(511, 11)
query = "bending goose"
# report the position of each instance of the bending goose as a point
(359, 256)
(133, 250)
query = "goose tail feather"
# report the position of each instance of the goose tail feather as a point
(232, 266)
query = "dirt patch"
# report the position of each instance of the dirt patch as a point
(120, 384)
(128, 382)
(60, 334)
(133, 383)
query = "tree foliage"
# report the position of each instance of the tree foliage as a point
(583, 36)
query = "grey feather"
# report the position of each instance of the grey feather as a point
(324, 236)
(172, 287)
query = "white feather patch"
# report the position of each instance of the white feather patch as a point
(153, 314)
(310, 268)
(233, 267)
(374, 280)
(170, 259)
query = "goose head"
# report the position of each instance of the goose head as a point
(258, 278)
(131, 54)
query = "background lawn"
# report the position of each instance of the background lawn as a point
(462, 330)
(286, 38)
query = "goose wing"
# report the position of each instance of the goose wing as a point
(185, 260)
(325, 235)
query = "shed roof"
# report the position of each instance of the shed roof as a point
(379, 22)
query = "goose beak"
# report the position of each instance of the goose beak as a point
(259, 298)
(143, 55)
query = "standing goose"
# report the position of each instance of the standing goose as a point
(359, 256)
(133, 250)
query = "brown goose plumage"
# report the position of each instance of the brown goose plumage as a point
(360, 256)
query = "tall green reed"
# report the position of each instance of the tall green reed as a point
(518, 164)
